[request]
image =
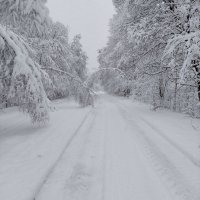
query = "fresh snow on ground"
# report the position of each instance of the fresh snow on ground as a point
(119, 150)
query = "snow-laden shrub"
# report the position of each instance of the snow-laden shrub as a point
(84, 97)
(21, 77)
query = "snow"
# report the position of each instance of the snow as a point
(118, 150)
(27, 153)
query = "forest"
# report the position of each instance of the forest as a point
(156, 45)
(38, 62)
(152, 54)
(128, 130)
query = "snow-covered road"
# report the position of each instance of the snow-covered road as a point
(120, 150)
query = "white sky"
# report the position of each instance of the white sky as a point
(90, 18)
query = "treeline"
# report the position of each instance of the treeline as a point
(38, 63)
(156, 44)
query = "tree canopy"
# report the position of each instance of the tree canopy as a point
(38, 61)
(156, 43)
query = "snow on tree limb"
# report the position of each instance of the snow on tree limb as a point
(84, 95)
(71, 76)
(23, 78)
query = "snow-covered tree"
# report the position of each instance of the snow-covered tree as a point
(156, 44)
(53, 52)
(37, 60)
(79, 57)
(21, 77)
(28, 17)
(65, 62)
(183, 48)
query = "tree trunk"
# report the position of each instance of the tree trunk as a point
(175, 91)
(198, 87)
(197, 69)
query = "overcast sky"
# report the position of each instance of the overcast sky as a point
(90, 18)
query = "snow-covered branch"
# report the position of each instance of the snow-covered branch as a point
(24, 83)
(70, 76)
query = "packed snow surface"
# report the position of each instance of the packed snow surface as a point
(119, 150)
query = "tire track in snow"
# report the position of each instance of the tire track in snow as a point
(50, 171)
(104, 160)
(84, 180)
(78, 175)
(175, 145)
(167, 171)
(186, 154)
(80, 178)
